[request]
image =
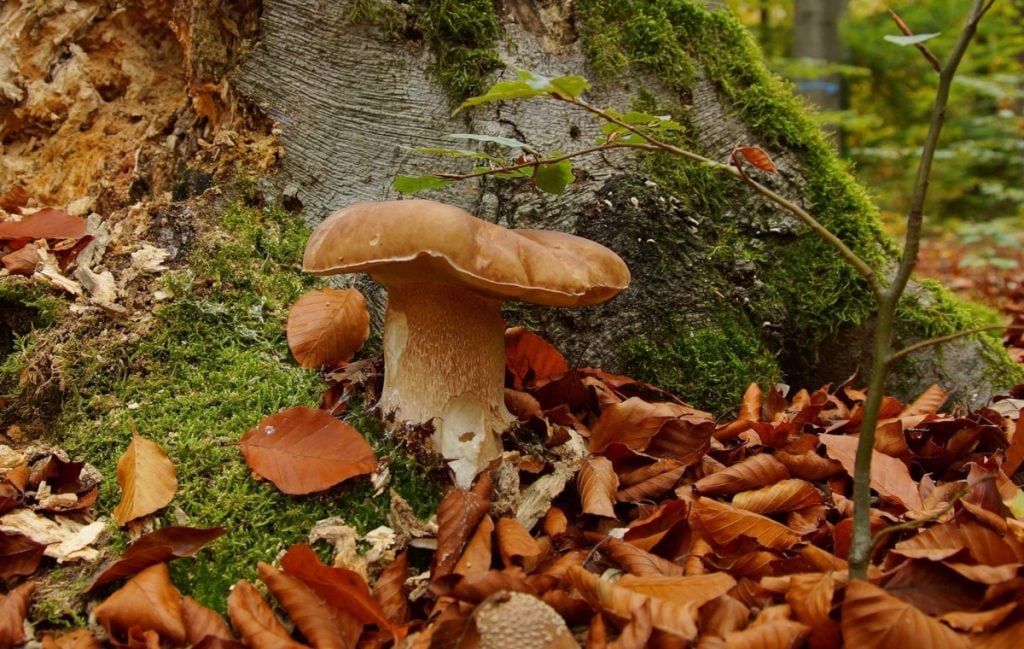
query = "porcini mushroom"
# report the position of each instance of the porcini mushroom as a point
(447, 273)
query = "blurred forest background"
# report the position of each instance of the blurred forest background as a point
(875, 97)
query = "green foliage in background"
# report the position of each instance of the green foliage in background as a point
(889, 90)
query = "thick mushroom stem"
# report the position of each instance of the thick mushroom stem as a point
(444, 362)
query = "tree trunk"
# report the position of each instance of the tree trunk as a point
(334, 96)
(709, 309)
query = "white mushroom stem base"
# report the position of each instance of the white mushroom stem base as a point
(444, 362)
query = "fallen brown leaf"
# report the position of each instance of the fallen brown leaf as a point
(478, 553)
(78, 639)
(516, 546)
(673, 617)
(13, 607)
(303, 450)
(889, 477)
(156, 547)
(322, 626)
(19, 555)
(531, 360)
(597, 484)
(326, 327)
(724, 524)
(148, 601)
(147, 478)
(255, 621)
(754, 472)
(872, 618)
(458, 514)
(344, 591)
(47, 223)
(202, 622)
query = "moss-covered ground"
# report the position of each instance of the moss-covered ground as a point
(209, 364)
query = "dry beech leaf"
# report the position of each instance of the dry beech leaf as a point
(1014, 454)
(148, 601)
(723, 615)
(479, 551)
(943, 541)
(47, 223)
(810, 597)
(770, 635)
(458, 514)
(654, 485)
(978, 621)
(344, 591)
(478, 586)
(685, 439)
(254, 620)
(389, 590)
(556, 523)
(637, 632)
(724, 524)
(19, 555)
(889, 476)
(873, 618)
(809, 465)
(23, 261)
(319, 624)
(303, 450)
(1006, 638)
(649, 531)
(13, 607)
(632, 423)
(756, 156)
(516, 546)
(147, 479)
(672, 617)
(77, 639)
(928, 403)
(155, 547)
(531, 360)
(783, 496)
(699, 589)
(327, 327)
(635, 560)
(754, 472)
(597, 484)
(202, 622)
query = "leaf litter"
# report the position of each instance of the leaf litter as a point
(638, 521)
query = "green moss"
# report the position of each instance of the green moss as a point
(26, 306)
(462, 35)
(709, 366)
(382, 14)
(619, 33)
(212, 365)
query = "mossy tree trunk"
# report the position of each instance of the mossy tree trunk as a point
(727, 289)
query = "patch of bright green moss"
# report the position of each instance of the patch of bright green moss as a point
(213, 365)
(463, 36)
(25, 307)
(708, 366)
(618, 33)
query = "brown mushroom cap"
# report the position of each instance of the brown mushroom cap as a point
(421, 240)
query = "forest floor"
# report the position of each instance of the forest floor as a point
(981, 261)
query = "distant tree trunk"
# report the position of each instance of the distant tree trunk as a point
(816, 36)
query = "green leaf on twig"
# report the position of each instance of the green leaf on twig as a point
(414, 184)
(528, 86)
(496, 139)
(910, 40)
(553, 177)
